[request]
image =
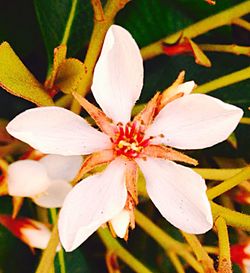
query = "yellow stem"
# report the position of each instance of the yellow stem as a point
(165, 241)
(225, 265)
(212, 250)
(113, 245)
(3, 165)
(64, 101)
(245, 121)
(60, 253)
(98, 11)
(49, 253)
(242, 23)
(200, 252)
(229, 183)
(235, 49)
(223, 81)
(100, 28)
(232, 218)
(217, 174)
(176, 262)
(223, 18)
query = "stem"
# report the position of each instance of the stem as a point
(217, 174)
(242, 23)
(225, 265)
(223, 81)
(60, 253)
(113, 245)
(245, 121)
(229, 183)
(49, 253)
(64, 101)
(69, 23)
(223, 18)
(232, 218)
(199, 252)
(100, 28)
(165, 241)
(98, 11)
(176, 262)
(235, 49)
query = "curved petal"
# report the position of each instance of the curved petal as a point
(194, 121)
(55, 130)
(118, 75)
(37, 237)
(91, 203)
(120, 223)
(54, 196)
(62, 167)
(186, 87)
(27, 178)
(179, 194)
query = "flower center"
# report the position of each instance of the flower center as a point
(129, 140)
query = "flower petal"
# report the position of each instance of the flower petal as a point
(62, 167)
(55, 130)
(120, 223)
(55, 194)
(37, 237)
(179, 194)
(118, 75)
(91, 203)
(27, 178)
(194, 121)
(186, 87)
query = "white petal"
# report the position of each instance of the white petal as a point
(54, 196)
(195, 121)
(27, 178)
(91, 203)
(62, 167)
(55, 130)
(120, 223)
(38, 237)
(179, 194)
(186, 87)
(118, 75)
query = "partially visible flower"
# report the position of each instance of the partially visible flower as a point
(174, 118)
(46, 181)
(240, 255)
(31, 232)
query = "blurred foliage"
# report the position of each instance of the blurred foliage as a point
(148, 21)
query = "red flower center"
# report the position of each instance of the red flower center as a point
(129, 140)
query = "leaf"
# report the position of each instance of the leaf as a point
(59, 57)
(75, 262)
(53, 17)
(17, 79)
(200, 57)
(69, 75)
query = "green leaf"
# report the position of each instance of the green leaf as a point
(75, 262)
(151, 20)
(55, 16)
(70, 75)
(18, 80)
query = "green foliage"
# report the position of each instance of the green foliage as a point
(53, 16)
(16, 78)
(75, 262)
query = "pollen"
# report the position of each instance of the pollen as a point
(129, 140)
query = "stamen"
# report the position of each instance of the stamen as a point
(129, 140)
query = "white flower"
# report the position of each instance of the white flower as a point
(46, 181)
(31, 232)
(187, 122)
